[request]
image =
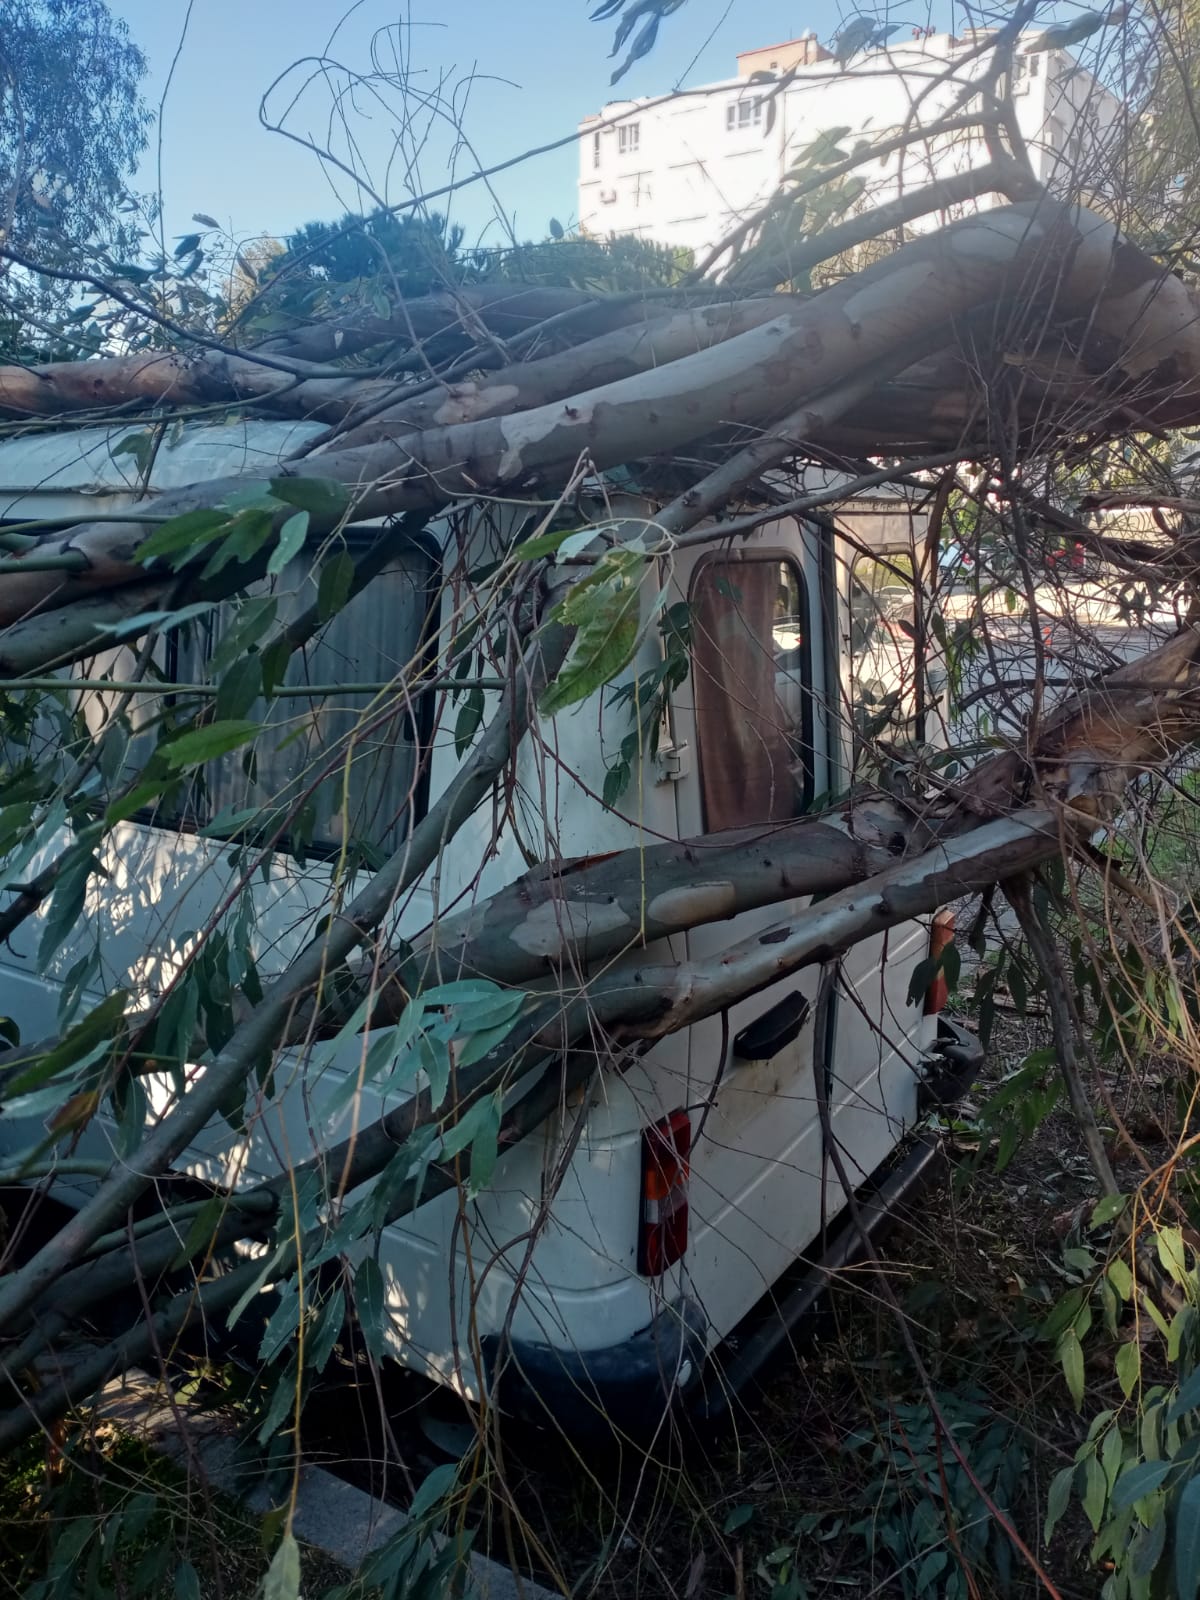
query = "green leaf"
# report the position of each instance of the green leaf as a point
(85, 1040)
(131, 272)
(1136, 1482)
(324, 498)
(1062, 35)
(485, 1149)
(481, 1042)
(1188, 1398)
(283, 1575)
(469, 1016)
(187, 1582)
(470, 715)
(606, 616)
(433, 1490)
(205, 744)
(1187, 1541)
(1110, 1305)
(239, 688)
(282, 1325)
(1111, 1454)
(161, 621)
(1169, 1242)
(253, 497)
(1017, 987)
(922, 975)
(243, 624)
(1147, 1547)
(138, 445)
(282, 1404)
(1129, 1366)
(70, 891)
(1058, 1499)
(1120, 1277)
(368, 1303)
(616, 781)
(1070, 1353)
(928, 1572)
(1108, 1207)
(1155, 1315)
(1095, 1491)
(479, 1128)
(334, 585)
(319, 1343)
(291, 541)
(541, 544)
(248, 532)
(737, 1518)
(1181, 1324)
(203, 1227)
(1064, 1313)
(1079, 1259)
(183, 534)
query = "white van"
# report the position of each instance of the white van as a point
(698, 1178)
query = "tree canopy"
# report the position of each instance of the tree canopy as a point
(72, 123)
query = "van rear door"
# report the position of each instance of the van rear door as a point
(753, 715)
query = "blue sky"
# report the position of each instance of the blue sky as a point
(540, 66)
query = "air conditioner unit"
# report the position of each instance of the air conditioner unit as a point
(608, 197)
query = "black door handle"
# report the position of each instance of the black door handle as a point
(767, 1035)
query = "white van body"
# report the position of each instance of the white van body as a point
(560, 1279)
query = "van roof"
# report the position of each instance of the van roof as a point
(43, 473)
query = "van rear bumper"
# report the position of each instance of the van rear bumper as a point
(628, 1387)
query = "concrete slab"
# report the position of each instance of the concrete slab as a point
(332, 1516)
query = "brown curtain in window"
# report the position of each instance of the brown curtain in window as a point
(745, 758)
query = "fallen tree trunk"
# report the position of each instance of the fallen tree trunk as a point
(871, 323)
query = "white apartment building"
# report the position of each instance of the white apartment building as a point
(684, 169)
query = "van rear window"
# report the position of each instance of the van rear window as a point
(351, 761)
(883, 635)
(752, 684)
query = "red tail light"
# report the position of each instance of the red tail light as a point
(941, 934)
(663, 1234)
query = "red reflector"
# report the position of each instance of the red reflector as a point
(663, 1233)
(941, 934)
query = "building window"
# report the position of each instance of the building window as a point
(752, 682)
(629, 138)
(743, 114)
(1025, 69)
(595, 150)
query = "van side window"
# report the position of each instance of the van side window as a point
(353, 763)
(883, 663)
(752, 685)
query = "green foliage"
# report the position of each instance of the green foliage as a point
(648, 699)
(1136, 1475)
(72, 124)
(605, 610)
(649, 13)
(922, 1517)
(620, 265)
(402, 254)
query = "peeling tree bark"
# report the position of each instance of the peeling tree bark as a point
(1070, 260)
